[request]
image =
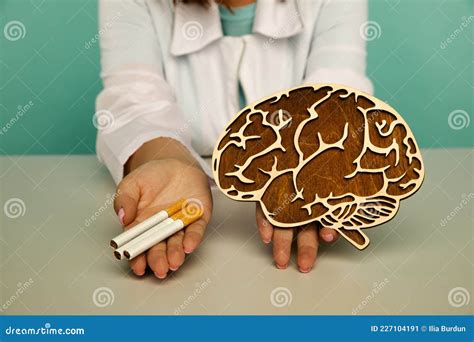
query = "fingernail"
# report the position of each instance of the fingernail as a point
(188, 250)
(304, 270)
(267, 241)
(173, 269)
(139, 273)
(328, 237)
(160, 276)
(121, 215)
(281, 267)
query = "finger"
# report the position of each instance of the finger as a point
(193, 235)
(126, 201)
(307, 243)
(328, 234)
(264, 227)
(138, 265)
(157, 260)
(282, 239)
(174, 251)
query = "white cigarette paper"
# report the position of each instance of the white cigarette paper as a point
(128, 235)
(142, 227)
(153, 236)
(119, 251)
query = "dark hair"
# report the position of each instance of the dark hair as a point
(204, 3)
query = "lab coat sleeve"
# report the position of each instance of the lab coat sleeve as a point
(338, 48)
(136, 104)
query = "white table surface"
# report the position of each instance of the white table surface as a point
(410, 267)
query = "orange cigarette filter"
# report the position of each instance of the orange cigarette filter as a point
(176, 207)
(189, 213)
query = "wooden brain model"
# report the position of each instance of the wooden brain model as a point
(323, 153)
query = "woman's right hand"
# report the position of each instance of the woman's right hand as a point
(153, 186)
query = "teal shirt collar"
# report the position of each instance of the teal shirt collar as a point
(238, 21)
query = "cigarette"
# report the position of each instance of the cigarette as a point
(119, 251)
(142, 227)
(161, 232)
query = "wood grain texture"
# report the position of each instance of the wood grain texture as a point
(321, 153)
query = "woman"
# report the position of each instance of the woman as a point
(175, 73)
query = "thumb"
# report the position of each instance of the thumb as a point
(126, 201)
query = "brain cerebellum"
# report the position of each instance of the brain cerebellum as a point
(319, 153)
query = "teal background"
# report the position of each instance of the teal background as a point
(52, 67)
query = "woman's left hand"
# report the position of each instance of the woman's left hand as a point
(307, 241)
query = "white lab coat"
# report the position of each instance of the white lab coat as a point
(168, 71)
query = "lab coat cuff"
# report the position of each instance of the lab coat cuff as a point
(115, 162)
